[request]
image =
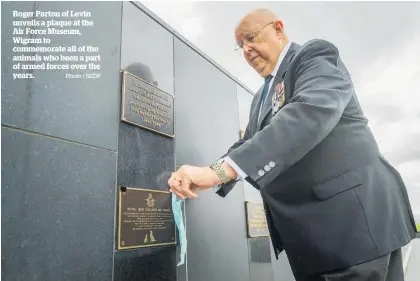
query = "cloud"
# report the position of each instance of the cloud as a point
(390, 82)
(389, 93)
(191, 28)
(180, 15)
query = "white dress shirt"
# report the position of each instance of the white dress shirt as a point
(242, 174)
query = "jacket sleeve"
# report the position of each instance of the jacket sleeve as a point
(322, 91)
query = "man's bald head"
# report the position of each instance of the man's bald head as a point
(260, 34)
(257, 18)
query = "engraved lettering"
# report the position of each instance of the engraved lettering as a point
(256, 219)
(147, 106)
(145, 219)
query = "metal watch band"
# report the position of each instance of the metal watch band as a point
(217, 167)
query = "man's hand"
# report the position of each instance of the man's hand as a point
(188, 179)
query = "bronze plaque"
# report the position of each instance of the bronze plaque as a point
(241, 134)
(146, 106)
(256, 220)
(145, 219)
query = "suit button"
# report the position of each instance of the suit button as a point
(261, 173)
(272, 164)
(267, 168)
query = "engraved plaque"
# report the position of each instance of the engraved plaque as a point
(145, 218)
(146, 106)
(256, 220)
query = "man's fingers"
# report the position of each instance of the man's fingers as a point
(180, 183)
(186, 185)
(179, 195)
(175, 185)
(172, 180)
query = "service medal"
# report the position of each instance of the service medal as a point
(278, 98)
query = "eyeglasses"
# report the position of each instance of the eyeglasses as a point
(250, 37)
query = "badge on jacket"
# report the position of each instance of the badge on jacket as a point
(278, 98)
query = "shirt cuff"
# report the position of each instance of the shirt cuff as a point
(241, 174)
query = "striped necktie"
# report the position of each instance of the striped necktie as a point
(264, 93)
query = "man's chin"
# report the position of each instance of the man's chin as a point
(258, 68)
(262, 72)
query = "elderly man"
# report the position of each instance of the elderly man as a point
(332, 201)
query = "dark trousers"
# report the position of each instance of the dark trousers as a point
(386, 268)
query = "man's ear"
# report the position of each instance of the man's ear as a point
(278, 26)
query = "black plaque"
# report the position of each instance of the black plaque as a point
(256, 220)
(146, 106)
(145, 219)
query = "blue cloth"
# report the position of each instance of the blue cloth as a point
(177, 211)
(264, 93)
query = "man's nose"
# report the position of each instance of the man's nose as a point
(246, 48)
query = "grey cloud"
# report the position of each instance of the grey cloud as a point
(384, 113)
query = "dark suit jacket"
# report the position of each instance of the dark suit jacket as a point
(331, 198)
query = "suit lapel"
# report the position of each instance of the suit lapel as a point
(278, 79)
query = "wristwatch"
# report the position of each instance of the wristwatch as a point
(217, 167)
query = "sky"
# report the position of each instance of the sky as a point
(378, 41)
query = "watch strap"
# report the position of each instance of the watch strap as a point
(217, 167)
